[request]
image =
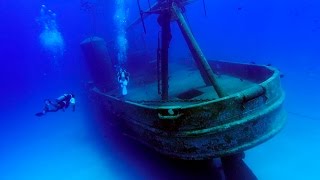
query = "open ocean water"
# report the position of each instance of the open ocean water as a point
(40, 57)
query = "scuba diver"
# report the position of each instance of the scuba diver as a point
(62, 102)
(123, 79)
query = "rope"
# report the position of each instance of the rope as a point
(304, 116)
(204, 7)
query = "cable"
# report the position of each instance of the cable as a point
(304, 116)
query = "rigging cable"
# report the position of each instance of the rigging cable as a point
(304, 116)
(159, 63)
(204, 7)
(149, 4)
(141, 17)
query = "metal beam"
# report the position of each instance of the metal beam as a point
(207, 73)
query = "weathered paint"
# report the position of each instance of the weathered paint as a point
(203, 130)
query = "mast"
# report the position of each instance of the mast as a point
(165, 9)
(164, 21)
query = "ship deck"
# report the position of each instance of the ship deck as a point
(185, 87)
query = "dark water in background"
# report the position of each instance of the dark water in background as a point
(68, 145)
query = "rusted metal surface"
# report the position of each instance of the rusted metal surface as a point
(206, 129)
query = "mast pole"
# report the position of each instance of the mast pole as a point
(205, 69)
(164, 21)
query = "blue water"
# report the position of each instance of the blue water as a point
(71, 145)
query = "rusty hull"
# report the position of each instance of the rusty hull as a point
(204, 130)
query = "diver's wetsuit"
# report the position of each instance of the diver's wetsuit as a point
(61, 102)
(64, 101)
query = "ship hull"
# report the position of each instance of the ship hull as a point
(199, 129)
